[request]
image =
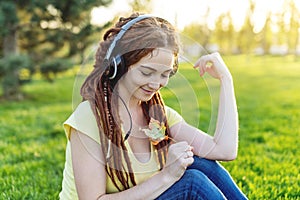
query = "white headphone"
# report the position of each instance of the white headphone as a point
(116, 60)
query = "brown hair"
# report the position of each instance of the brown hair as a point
(138, 41)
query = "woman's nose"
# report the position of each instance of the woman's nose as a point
(154, 85)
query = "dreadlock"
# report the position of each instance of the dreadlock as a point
(140, 40)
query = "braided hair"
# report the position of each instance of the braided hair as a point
(140, 40)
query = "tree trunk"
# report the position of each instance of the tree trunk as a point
(10, 84)
(10, 45)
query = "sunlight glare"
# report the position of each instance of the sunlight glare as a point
(183, 13)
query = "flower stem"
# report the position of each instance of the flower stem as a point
(173, 140)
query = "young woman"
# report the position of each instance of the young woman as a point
(124, 143)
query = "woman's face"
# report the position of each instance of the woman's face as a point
(147, 76)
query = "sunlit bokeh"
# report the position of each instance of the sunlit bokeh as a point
(183, 13)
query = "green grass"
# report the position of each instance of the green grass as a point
(32, 141)
(268, 96)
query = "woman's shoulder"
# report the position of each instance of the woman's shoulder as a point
(83, 107)
(83, 120)
(173, 116)
(83, 113)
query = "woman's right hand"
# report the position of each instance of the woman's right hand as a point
(180, 156)
(214, 65)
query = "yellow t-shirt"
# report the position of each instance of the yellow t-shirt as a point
(83, 119)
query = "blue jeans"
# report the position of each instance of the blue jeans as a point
(204, 179)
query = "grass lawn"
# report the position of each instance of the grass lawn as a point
(32, 141)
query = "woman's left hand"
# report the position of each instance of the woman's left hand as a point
(214, 65)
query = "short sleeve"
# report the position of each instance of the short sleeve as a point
(83, 120)
(173, 117)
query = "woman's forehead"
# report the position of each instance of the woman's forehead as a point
(160, 57)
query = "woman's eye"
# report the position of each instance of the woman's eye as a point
(146, 74)
(165, 75)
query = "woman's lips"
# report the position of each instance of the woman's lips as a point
(148, 92)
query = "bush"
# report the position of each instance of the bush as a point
(10, 67)
(15, 62)
(51, 68)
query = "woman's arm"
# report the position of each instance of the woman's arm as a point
(90, 174)
(223, 145)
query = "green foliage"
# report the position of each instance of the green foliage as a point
(143, 6)
(280, 28)
(15, 62)
(52, 67)
(9, 74)
(59, 29)
(224, 34)
(6, 17)
(32, 141)
(198, 32)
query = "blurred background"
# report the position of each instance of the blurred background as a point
(51, 36)
(43, 45)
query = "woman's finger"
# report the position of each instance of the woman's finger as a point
(189, 161)
(203, 63)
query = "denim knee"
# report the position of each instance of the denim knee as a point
(205, 163)
(219, 176)
(193, 185)
(200, 187)
(208, 167)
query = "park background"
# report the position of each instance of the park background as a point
(45, 43)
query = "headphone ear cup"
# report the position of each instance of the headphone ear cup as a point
(118, 60)
(115, 65)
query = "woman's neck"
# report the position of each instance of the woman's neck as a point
(126, 99)
(129, 108)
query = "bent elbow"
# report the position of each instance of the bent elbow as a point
(229, 155)
(222, 153)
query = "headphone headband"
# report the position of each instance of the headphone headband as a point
(123, 30)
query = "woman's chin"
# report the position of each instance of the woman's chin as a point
(144, 98)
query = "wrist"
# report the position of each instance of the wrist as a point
(226, 78)
(167, 177)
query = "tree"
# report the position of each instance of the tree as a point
(9, 71)
(246, 36)
(198, 32)
(264, 37)
(294, 27)
(141, 6)
(224, 33)
(44, 30)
